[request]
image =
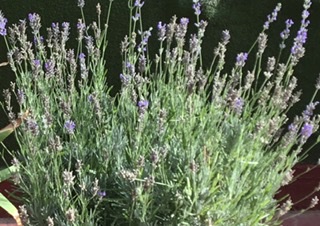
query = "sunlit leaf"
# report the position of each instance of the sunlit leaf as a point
(7, 173)
(10, 208)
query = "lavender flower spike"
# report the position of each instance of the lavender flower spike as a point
(241, 59)
(161, 31)
(196, 6)
(3, 22)
(285, 34)
(34, 21)
(272, 17)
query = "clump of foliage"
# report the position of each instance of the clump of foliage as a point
(180, 144)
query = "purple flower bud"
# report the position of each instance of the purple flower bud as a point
(184, 21)
(292, 128)
(306, 130)
(80, 25)
(70, 126)
(36, 63)
(3, 22)
(237, 105)
(241, 59)
(309, 110)
(91, 98)
(289, 22)
(65, 25)
(138, 4)
(286, 32)
(136, 17)
(305, 14)
(82, 56)
(302, 35)
(55, 25)
(196, 6)
(34, 21)
(143, 104)
(101, 193)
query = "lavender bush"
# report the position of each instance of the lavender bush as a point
(182, 143)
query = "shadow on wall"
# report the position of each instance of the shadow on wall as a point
(244, 19)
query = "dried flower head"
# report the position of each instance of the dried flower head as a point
(98, 9)
(314, 202)
(128, 175)
(68, 178)
(225, 37)
(71, 215)
(288, 177)
(95, 187)
(50, 221)
(285, 208)
(81, 3)
(262, 42)
(23, 214)
(78, 166)
(148, 183)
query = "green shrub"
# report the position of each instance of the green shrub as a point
(180, 144)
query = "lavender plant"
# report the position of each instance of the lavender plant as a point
(182, 143)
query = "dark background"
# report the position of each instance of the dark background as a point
(244, 19)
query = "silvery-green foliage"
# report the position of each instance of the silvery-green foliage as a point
(182, 143)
